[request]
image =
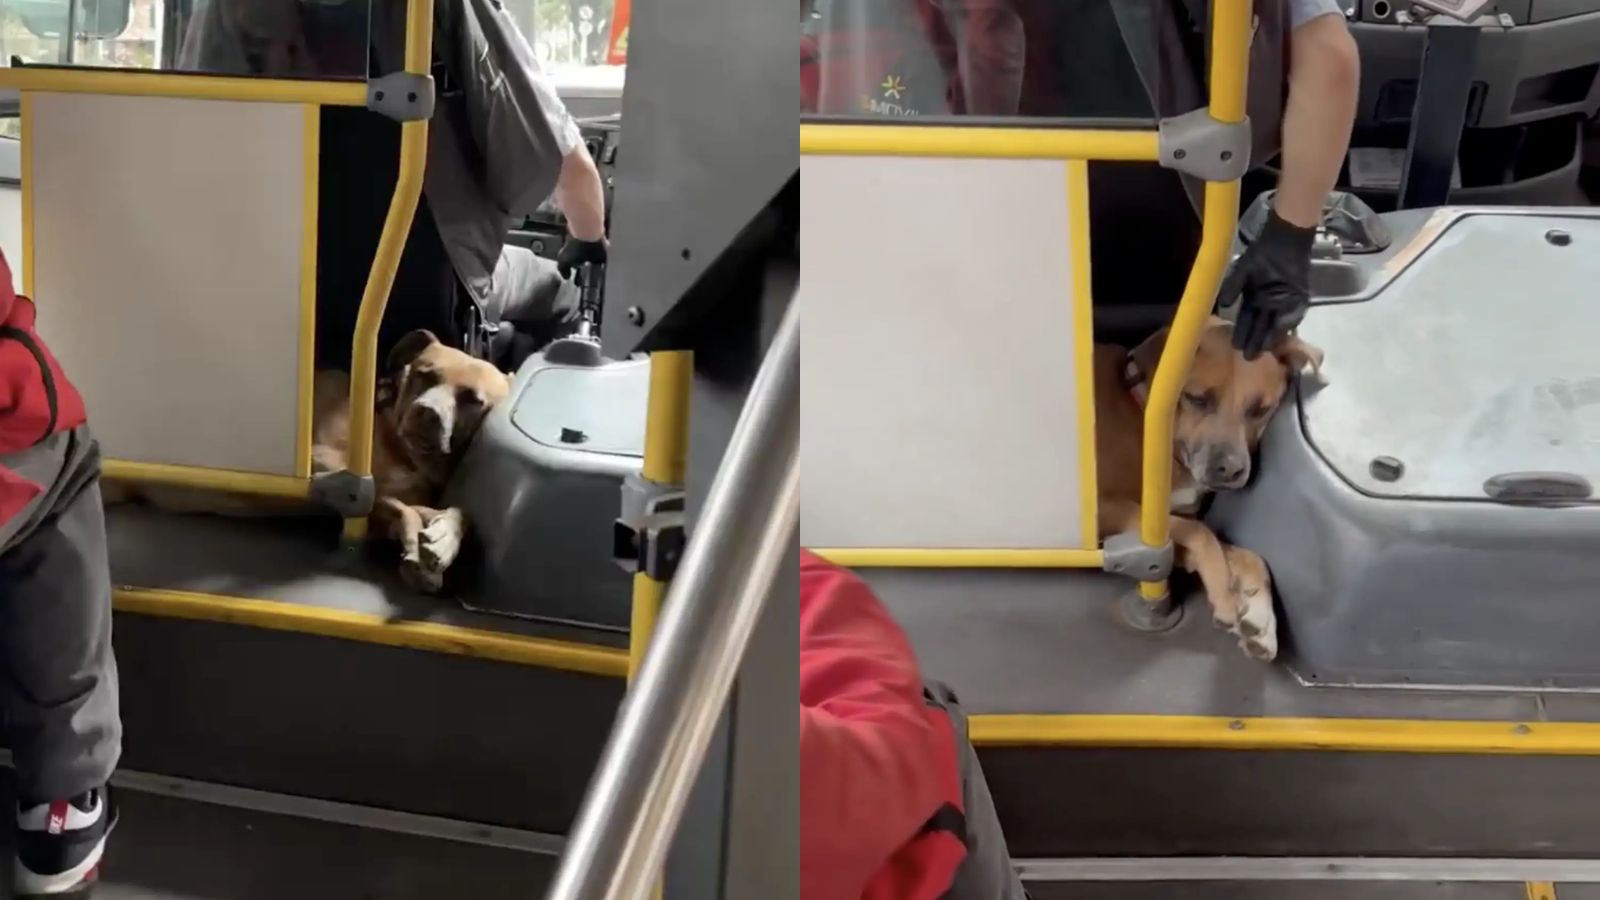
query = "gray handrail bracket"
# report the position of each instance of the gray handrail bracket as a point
(402, 96)
(649, 535)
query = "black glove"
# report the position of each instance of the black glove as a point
(575, 253)
(1273, 278)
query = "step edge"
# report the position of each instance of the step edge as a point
(435, 637)
(334, 811)
(1153, 731)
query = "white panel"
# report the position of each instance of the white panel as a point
(11, 231)
(167, 271)
(938, 403)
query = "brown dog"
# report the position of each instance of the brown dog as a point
(1225, 405)
(430, 403)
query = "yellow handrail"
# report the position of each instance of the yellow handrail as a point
(187, 85)
(1230, 47)
(666, 462)
(386, 260)
(666, 452)
(962, 142)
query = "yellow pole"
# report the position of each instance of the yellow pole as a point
(386, 261)
(1230, 47)
(666, 424)
(666, 455)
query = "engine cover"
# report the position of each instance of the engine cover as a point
(1430, 510)
(541, 488)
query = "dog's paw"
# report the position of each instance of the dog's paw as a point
(1257, 626)
(420, 577)
(440, 541)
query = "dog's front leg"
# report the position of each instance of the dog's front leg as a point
(442, 534)
(1252, 583)
(404, 524)
(1197, 550)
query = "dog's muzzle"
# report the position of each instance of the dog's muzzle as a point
(429, 422)
(1219, 467)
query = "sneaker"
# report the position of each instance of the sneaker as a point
(59, 844)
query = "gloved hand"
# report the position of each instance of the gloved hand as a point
(575, 253)
(1272, 279)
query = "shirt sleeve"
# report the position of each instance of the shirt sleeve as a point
(521, 123)
(1303, 11)
(873, 762)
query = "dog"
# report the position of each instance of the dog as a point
(430, 403)
(1222, 411)
(429, 406)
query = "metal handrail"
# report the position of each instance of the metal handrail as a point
(749, 525)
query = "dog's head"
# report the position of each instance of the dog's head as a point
(438, 397)
(1226, 401)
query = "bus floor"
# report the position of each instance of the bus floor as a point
(293, 560)
(1050, 642)
(167, 848)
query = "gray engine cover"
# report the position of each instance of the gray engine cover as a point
(1468, 356)
(540, 503)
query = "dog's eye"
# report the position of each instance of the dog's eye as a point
(1258, 410)
(1204, 402)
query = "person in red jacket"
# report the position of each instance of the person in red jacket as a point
(893, 803)
(58, 679)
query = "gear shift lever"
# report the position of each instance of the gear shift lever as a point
(583, 347)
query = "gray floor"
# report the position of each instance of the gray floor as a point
(167, 849)
(1052, 642)
(295, 561)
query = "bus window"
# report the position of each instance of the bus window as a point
(322, 39)
(1050, 59)
(34, 30)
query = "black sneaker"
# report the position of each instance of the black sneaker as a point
(59, 844)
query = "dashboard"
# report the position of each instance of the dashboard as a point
(544, 229)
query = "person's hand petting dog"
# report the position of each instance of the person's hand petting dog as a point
(1271, 281)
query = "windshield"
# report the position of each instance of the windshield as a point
(1046, 59)
(581, 43)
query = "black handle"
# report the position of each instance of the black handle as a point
(1525, 487)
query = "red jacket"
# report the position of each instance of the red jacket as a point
(877, 762)
(36, 399)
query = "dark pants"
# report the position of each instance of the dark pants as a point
(58, 678)
(986, 873)
(529, 305)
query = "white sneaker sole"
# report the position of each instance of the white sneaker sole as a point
(29, 884)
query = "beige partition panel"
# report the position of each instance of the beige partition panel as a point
(943, 379)
(167, 240)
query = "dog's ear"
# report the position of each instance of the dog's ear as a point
(409, 348)
(1142, 361)
(1297, 355)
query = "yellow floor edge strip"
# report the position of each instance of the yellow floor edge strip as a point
(1541, 890)
(568, 656)
(1222, 733)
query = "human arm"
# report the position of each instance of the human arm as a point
(874, 763)
(1273, 275)
(581, 196)
(1324, 80)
